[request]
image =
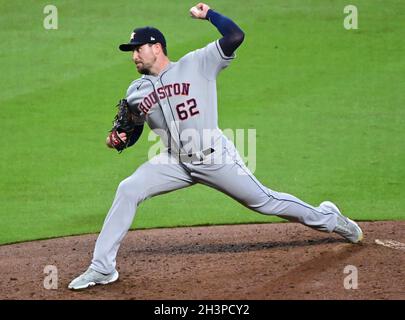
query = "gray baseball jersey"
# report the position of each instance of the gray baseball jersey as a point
(180, 104)
(183, 98)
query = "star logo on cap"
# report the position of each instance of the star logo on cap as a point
(132, 35)
(152, 38)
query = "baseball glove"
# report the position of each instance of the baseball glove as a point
(126, 121)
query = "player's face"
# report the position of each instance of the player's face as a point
(144, 58)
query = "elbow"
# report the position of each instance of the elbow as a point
(241, 37)
(238, 38)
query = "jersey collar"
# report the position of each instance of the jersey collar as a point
(168, 67)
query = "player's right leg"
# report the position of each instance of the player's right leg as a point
(160, 175)
(234, 179)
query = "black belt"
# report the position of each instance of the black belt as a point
(190, 157)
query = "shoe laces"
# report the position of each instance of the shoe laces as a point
(343, 225)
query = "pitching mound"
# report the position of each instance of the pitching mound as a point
(260, 261)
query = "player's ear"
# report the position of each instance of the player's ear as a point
(158, 48)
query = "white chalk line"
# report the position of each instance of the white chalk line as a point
(391, 244)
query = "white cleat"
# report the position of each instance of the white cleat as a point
(345, 227)
(91, 278)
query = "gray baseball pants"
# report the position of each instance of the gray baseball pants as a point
(223, 170)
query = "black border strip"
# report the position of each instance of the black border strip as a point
(163, 114)
(221, 53)
(171, 111)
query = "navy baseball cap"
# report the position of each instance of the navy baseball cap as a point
(144, 35)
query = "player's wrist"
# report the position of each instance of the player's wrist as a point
(210, 12)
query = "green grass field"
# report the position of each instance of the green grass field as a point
(327, 104)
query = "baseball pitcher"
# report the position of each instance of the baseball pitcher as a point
(178, 100)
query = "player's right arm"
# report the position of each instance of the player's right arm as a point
(217, 55)
(232, 35)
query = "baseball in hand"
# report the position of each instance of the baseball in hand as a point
(194, 11)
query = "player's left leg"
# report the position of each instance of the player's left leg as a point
(161, 174)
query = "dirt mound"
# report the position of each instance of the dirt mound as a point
(257, 261)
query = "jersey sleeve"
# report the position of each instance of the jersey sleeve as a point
(211, 60)
(134, 98)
